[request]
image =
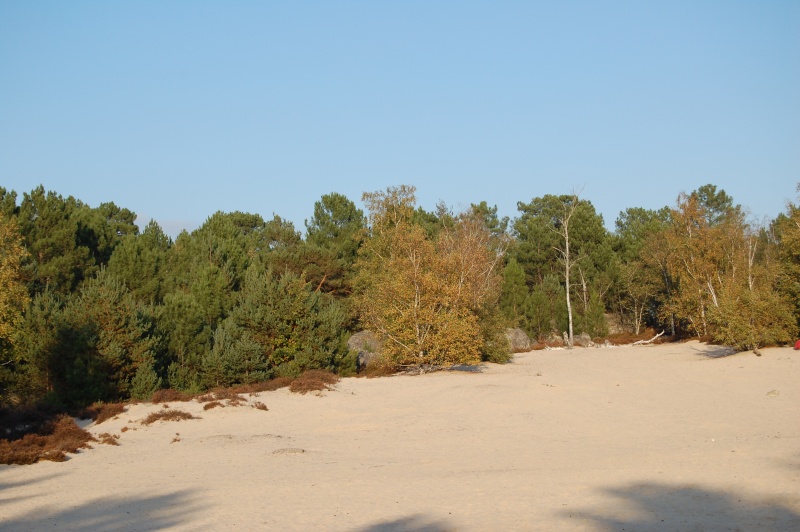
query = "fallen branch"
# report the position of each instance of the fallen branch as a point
(650, 341)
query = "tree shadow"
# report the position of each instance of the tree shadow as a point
(109, 513)
(660, 507)
(468, 368)
(413, 523)
(716, 351)
(5, 488)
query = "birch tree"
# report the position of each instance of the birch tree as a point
(426, 296)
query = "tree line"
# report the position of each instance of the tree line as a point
(93, 308)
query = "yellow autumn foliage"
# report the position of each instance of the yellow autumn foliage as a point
(423, 295)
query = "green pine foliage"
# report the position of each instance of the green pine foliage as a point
(296, 326)
(140, 262)
(514, 294)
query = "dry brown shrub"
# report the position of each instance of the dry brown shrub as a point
(167, 415)
(168, 394)
(221, 394)
(260, 406)
(56, 439)
(251, 389)
(212, 404)
(263, 386)
(276, 384)
(100, 412)
(233, 394)
(124, 429)
(313, 380)
(108, 439)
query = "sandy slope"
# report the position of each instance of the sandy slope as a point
(668, 437)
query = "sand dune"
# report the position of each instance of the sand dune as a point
(668, 437)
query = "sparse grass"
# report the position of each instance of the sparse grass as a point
(56, 439)
(108, 439)
(212, 404)
(167, 415)
(313, 380)
(222, 394)
(261, 406)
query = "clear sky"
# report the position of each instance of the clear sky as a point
(178, 109)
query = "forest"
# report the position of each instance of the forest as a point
(95, 308)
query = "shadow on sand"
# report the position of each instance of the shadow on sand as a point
(715, 351)
(659, 507)
(7, 495)
(469, 368)
(109, 513)
(414, 523)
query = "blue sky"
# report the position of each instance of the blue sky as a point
(176, 110)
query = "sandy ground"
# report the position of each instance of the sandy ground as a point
(669, 437)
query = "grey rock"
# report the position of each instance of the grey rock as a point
(518, 340)
(555, 339)
(584, 340)
(367, 345)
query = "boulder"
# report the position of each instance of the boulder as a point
(554, 339)
(518, 340)
(367, 345)
(583, 340)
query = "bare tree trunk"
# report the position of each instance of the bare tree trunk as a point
(751, 257)
(562, 228)
(566, 276)
(585, 291)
